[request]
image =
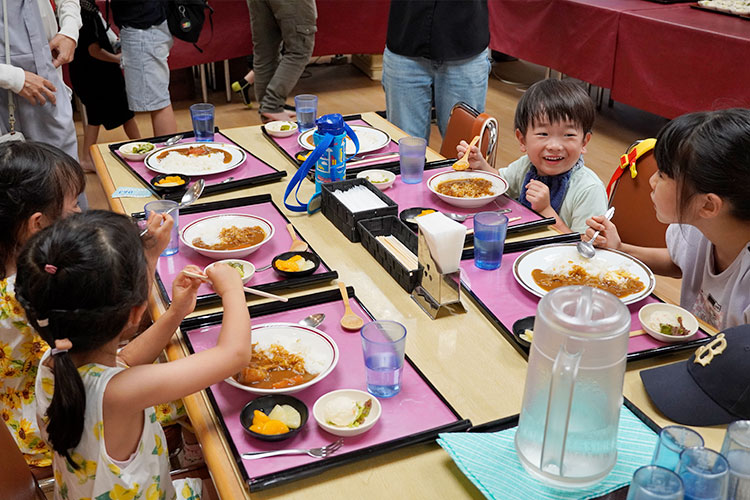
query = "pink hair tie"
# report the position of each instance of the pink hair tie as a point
(50, 268)
(61, 346)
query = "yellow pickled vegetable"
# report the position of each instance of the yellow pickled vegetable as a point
(170, 180)
(290, 265)
(262, 424)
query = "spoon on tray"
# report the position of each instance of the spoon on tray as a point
(297, 244)
(173, 140)
(463, 217)
(586, 248)
(349, 321)
(193, 193)
(313, 320)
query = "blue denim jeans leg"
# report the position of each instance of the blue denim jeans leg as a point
(408, 84)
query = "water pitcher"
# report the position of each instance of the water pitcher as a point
(567, 433)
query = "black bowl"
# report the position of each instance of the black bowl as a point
(521, 326)
(296, 274)
(410, 213)
(266, 404)
(170, 189)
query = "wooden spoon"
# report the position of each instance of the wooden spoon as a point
(297, 244)
(463, 163)
(349, 321)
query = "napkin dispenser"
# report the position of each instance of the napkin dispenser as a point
(440, 244)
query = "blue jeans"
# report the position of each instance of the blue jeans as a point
(408, 83)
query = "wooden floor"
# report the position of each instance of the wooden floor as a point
(344, 89)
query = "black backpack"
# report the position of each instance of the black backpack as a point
(185, 19)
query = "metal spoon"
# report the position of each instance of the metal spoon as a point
(463, 217)
(228, 179)
(173, 140)
(313, 320)
(586, 248)
(193, 193)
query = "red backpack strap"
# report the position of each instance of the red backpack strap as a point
(629, 160)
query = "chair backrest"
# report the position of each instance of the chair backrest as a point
(464, 124)
(635, 216)
(15, 476)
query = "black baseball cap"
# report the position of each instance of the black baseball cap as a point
(715, 394)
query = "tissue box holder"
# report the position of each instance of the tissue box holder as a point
(385, 226)
(343, 218)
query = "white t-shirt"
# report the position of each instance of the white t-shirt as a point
(585, 198)
(720, 299)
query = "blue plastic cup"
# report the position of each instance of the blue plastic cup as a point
(383, 347)
(737, 437)
(739, 474)
(411, 154)
(673, 440)
(161, 206)
(704, 473)
(307, 109)
(652, 482)
(203, 121)
(489, 239)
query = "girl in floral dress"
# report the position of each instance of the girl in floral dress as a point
(84, 284)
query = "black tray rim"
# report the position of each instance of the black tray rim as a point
(315, 468)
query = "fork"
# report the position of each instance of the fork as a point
(321, 452)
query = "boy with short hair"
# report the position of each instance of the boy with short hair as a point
(553, 125)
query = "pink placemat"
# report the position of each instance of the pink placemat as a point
(251, 167)
(418, 195)
(169, 267)
(291, 147)
(417, 408)
(508, 301)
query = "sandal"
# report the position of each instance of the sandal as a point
(244, 90)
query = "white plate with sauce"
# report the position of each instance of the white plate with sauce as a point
(370, 139)
(557, 257)
(309, 342)
(161, 159)
(208, 229)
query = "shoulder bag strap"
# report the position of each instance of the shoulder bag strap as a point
(11, 104)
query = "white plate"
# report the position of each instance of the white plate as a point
(209, 227)
(499, 186)
(237, 157)
(355, 394)
(370, 139)
(309, 339)
(688, 321)
(548, 256)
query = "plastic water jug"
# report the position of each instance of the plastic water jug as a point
(567, 433)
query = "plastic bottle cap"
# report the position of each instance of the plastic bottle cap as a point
(330, 124)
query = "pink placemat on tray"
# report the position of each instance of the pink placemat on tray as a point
(508, 301)
(251, 167)
(418, 195)
(291, 147)
(169, 267)
(415, 409)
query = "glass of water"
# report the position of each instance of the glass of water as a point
(704, 473)
(673, 439)
(383, 346)
(489, 239)
(161, 206)
(737, 437)
(307, 109)
(411, 151)
(652, 482)
(203, 121)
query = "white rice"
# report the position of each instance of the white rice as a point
(315, 362)
(594, 267)
(192, 165)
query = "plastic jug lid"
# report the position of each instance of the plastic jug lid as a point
(330, 124)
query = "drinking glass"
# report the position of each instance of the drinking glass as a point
(203, 121)
(411, 151)
(704, 473)
(652, 482)
(739, 474)
(307, 109)
(672, 440)
(737, 437)
(383, 346)
(161, 206)
(489, 239)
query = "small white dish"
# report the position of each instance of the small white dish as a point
(277, 128)
(126, 150)
(647, 314)
(381, 179)
(209, 227)
(248, 269)
(370, 420)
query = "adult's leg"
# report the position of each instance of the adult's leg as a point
(407, 82)
(163, 121)
(463, 80)
(296, 20)
(266, 44)
(131, 129)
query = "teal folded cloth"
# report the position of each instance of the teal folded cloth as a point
(131, 192)
(490, 461)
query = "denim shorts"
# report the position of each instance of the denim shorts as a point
(144, 62)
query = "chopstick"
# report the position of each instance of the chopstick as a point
(512, 219)
(399, 251)
(261, 293)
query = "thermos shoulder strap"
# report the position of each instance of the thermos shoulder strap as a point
(301, 173)
(350, 133)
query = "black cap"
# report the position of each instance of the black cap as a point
(718, 393)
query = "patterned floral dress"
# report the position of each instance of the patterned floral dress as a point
(21, 348)
(144, 477)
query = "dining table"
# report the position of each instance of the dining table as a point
(465, 357)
